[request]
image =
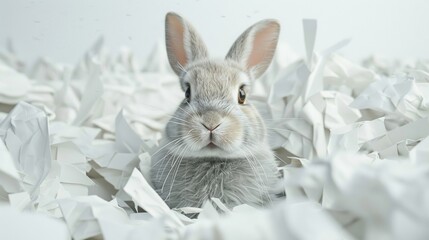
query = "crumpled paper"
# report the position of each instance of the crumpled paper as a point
(351, 141)
(37, 226)
(13, 85)
(372, 198)
(25, 134)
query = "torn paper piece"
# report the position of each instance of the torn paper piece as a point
(25, 134)
(24, 225)
(13, 85)
(82, 213)
(286, 221)
(416, 130)
(113, 229)
(146, 197)
(420, 153)
(340, 73)
(352, 137)
(126, 139)
(9, 177)
(397, 96)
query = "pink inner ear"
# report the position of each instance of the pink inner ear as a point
(263, 45)
(176, 44)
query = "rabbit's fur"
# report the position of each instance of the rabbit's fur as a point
(214, 145)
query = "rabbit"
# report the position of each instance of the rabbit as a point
(215, 144)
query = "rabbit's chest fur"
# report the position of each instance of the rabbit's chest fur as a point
(233, 181)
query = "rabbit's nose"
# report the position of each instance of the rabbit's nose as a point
(211, 120)
(210, 128)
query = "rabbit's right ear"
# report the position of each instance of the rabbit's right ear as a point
(183, 43)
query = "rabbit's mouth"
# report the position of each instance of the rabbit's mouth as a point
(211, 145)
(213, 150)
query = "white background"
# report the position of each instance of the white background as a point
(64, 29)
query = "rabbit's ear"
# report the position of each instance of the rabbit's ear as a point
(183, 43)
(255, 48)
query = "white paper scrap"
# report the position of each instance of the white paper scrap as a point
(24, 226)
(146, 197)
(25, 134)
(9, 178)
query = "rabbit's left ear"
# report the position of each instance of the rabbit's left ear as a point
(254, 49)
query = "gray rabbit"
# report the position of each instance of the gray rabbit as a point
(215, 144)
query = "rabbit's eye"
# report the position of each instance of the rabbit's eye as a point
(188, 93)
(241, 95)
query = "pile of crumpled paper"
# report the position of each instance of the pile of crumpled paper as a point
(76, 143)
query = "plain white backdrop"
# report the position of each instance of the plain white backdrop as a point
(63, 29)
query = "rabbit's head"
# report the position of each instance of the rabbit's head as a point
(215, 118)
